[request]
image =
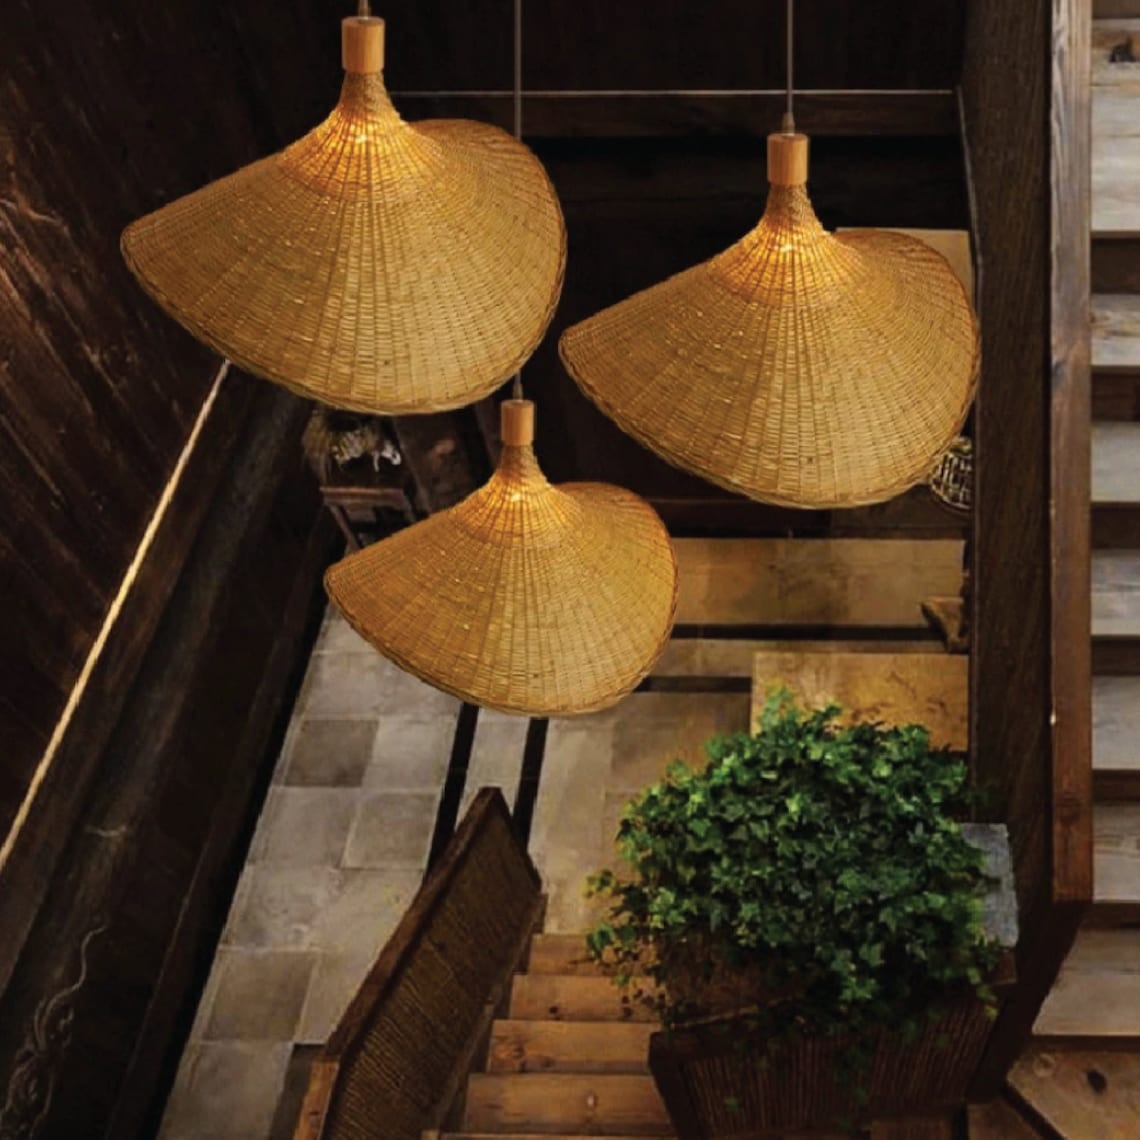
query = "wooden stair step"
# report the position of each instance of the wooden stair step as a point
(1116, 594)
(1081, 1095)
(1116, 737)
(1107, 34)
(1116, 464)
(569, 1047)
(554, 997)
(565, 1103)
(1096, 998)
(998, 1120)
(1115, 157)
(1116, 332)
(560, 954)
(1116, 829)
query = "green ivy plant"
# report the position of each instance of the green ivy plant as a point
(813, 872)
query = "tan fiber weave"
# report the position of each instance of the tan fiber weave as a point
(374, 265)
(526, 597)
(798, 367)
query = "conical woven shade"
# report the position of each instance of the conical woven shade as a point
(525, 597)
(375, 265)
(798, 367)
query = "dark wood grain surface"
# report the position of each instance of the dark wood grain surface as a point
(1026, 123)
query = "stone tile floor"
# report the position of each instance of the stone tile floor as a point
(339, 852)
(343, 839)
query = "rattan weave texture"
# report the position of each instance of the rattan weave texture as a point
(526, 597)
(798, 367)
(374, 264)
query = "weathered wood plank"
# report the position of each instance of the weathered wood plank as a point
(1082, 1095)
(522, 1046)
(1116, 332)
(1095, 1002)
(829, 582)
(551, 997)
(597, 1104)
(930, 689)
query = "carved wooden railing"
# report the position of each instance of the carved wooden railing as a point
(405, 1044)
(1026, 127)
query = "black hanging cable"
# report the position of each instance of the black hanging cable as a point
(789, 124)
(517, 391)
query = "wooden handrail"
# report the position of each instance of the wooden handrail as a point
(403, 1046)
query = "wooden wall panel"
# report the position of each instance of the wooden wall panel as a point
(651, 44)
(105, 112)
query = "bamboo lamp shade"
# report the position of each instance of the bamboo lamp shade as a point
(375, 265)
(525, 597)
(798, 367)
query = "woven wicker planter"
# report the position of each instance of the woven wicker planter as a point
(798, 367)
(526, 597)
(717, 1083)
(374, 265)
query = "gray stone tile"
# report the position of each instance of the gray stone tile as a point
(496, 756)
(280, 906)
(337, 636)
(362, 913)
(302, 827)
(412, 699)
(259, 994)
(335, 981)
(345, 685)
(411, 754)
(227, 1090)
(392, 829)
(329, 753)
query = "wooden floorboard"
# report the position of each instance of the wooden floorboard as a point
(1082, 1095)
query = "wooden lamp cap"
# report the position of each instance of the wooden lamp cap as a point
(516, 424)
(362, 44)
(787, 160)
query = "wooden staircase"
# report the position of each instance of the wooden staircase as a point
(568, 1060)
(1080, 1079)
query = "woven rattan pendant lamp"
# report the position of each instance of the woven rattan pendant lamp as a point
(526, 597)
(375, 265)
(798, 367)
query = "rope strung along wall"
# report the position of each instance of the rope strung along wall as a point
(798, 367)
(375, 265)
(526, 597)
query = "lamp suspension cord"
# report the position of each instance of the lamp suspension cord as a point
(789, 124)
(363, 8)
(517, 391)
